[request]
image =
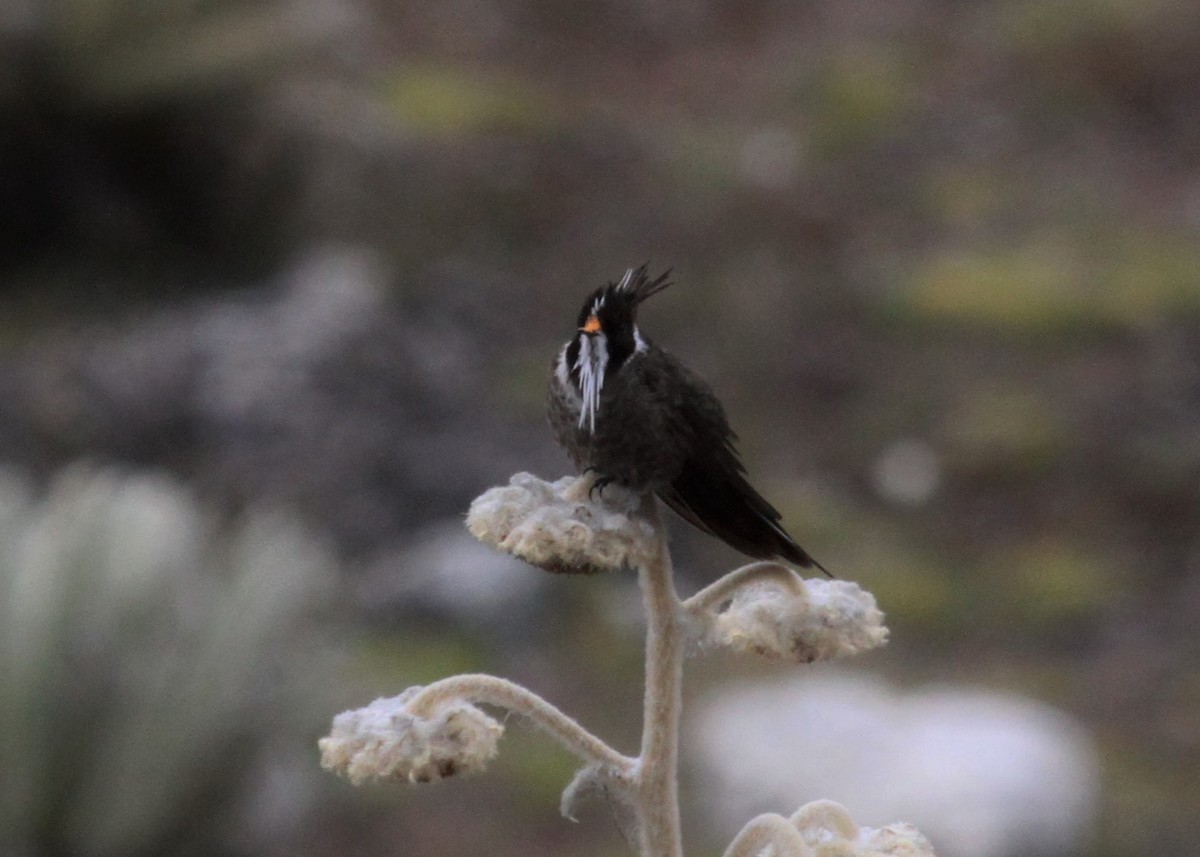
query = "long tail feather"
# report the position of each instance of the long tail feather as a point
(726, 506)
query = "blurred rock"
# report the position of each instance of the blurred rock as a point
(445, 572)
(982, 774)
(366, 415)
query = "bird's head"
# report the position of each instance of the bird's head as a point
(607, 335)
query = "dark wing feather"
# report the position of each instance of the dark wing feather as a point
(711, 491)
(719, 501)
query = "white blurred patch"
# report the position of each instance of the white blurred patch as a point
(908, 472)
(982, 774)
(450, 571)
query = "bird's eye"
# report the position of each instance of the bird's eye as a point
(592, 325)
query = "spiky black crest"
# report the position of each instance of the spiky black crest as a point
(616, 303)
(638, 284)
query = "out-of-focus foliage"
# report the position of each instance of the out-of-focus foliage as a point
(119, 53)
(147, 657)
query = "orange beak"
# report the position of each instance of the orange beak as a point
(592, 325)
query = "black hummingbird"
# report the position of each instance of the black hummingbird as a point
(625, 408)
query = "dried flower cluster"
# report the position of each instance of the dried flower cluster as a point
(824, 828)
(386, 741)
(819, 620)
(556, 526)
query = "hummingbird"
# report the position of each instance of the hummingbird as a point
(628, 410)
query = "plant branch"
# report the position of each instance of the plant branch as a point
(724, 587)
(492, 690)
(769, 829)
(435, 732)
(658, 810)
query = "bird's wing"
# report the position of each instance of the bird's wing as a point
(711, 491)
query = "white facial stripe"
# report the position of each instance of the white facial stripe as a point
(640, 345)
(593, 357)
(562, 372)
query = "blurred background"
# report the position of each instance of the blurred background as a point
(281, 283)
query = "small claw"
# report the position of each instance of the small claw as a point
(599, 484)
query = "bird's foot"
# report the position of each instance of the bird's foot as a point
(598, 484)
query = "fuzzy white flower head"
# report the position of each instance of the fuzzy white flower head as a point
(824, 828)
(829, 831)
(565, 526)
(819, 620)
(385, 741)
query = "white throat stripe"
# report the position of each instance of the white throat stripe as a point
(593, 358)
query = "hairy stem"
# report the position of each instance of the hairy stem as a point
(769, 829)
(720, 590)
(491, 690)
(658, 779)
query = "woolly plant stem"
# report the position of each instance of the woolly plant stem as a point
(492, 690)
(723, 588)
(769, 830)
(657, 806)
